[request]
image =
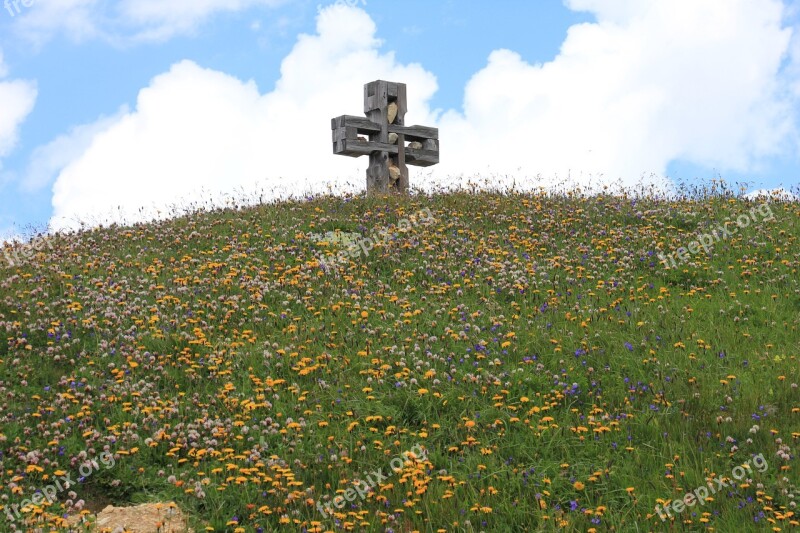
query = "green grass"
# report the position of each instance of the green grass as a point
(559, 377)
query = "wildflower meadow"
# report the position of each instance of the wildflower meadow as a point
(521, 362)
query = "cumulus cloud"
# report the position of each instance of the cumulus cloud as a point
(48, 160)
(125, 21)
(18, 98)
(196, 131)
(164, 19)
(74, 18)
(647, 83)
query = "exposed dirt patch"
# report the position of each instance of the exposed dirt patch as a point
(146, 518)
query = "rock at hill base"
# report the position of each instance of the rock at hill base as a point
(146, 518)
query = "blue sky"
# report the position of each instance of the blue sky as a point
(106, 107)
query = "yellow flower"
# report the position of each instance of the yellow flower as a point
(578, 485)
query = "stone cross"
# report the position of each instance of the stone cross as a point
(389, 143)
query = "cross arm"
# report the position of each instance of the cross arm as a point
(429, 138)
(364, 126)
(419, 157)
(422, 157)
(345, 132)
(415, 133)
(347, 128)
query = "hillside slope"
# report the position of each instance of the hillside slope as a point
(495, 363)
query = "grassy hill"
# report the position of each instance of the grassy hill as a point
(496, 362)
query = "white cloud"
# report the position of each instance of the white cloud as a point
(125, 21)
(165, 19)
(77, 19)
(195, 128)
(18, 98)
(648, 83)
(47, 161)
